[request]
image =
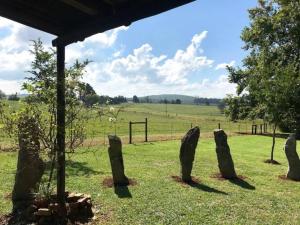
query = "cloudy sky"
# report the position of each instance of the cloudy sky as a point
(183, 51)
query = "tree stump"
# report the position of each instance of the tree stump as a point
(290, 149)
(30, 166)
(116, 161)
(225, 161)
(187, 153)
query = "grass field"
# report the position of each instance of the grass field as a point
(165, 122)
(262, 199)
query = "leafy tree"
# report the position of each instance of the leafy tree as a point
(2, 95)
(135, 99)
(268, 85)
(178, 101)
(13, 97)
(221, 106)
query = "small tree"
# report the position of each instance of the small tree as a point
(2, 95)
(135, 99)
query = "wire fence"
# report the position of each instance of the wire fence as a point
(156, 131)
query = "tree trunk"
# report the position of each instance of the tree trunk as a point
(187, 153)
(273, 142)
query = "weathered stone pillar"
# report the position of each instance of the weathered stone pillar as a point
(116, 161)
(187, 153)
(225, 161)
(30, 167)
(292, 157)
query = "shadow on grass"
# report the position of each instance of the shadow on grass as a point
(205, 188)
(122, 192)
(242, 183)
(195, 183)
(80, 169)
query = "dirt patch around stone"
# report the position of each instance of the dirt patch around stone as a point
(273, 162)
(4, 219)
(179, 180)
(284, 178)
(109, 182)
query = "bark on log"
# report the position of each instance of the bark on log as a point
(290, 149)
(30, 166)
(116, 161)
(187, 153)
(225, 162)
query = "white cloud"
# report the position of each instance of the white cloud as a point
(224, 65)
(143, 73)
(10, 86)
(106, 39)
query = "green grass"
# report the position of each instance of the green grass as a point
(176, 121)
(157, 199)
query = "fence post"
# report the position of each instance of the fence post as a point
(146, 130)
(219, 126)
(261, 129)
(130, 133)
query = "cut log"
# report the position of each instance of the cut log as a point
(187, 153)
(30, 166)
(290, 149)
(225, 162)
(116, 161)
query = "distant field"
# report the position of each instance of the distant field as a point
(165, 122)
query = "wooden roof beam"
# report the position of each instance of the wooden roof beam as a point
(81, 7)
(122, 18)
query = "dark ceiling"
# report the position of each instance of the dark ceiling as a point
(74, 20)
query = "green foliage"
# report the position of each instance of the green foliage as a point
(13, 97)
(41, 86)
(268, 85)
(2, 95)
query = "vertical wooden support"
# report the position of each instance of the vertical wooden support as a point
(219, 126)
(60, 136)
(146, 130)
(130, 132)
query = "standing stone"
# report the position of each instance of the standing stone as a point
(116, 161)
(30, 166)
(293, 158)
(225, 161)
(187, 153)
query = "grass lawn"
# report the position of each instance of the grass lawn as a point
(262, 199)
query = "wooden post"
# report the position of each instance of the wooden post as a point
(130, 132)
(219, 126)
(146, 130)
(60, 136)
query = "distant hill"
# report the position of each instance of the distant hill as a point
(185, 99)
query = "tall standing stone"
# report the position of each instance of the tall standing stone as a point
(30, 166)
(290, 149)
(225, 161)
(187, 153)
(116, 161)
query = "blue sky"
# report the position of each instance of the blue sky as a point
(182, 51)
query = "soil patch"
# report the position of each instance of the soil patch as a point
(283, 177)
(179, 180)
(274, 162)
